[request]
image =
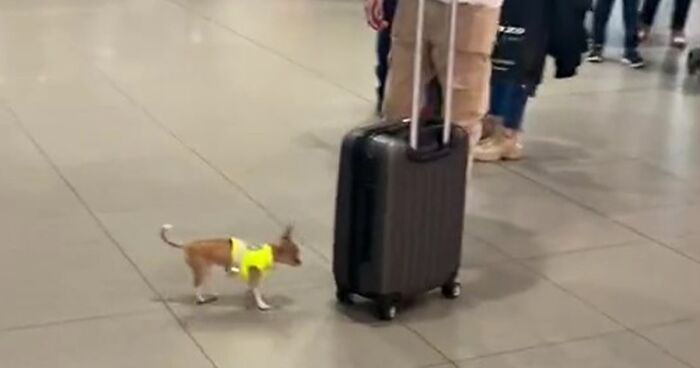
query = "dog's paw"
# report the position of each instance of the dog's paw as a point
(264, 307)
(206, 300)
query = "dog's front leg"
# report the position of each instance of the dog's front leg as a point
(254, 282)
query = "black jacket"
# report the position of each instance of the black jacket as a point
(532, 29)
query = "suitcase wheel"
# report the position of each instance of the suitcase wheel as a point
(344, 297)
(452, 290)
(386, 309)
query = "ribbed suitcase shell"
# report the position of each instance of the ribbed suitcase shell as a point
(399, 218)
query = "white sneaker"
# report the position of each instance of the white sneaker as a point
(678, 40)
(503, 145)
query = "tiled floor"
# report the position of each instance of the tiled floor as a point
(225, 116)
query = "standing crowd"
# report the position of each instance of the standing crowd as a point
(500, 55)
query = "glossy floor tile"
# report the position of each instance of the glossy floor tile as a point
(615, 350)
(505, 307)
(151, 339)
(305, 329)
(614, 187)
(665, 224)
(688, 245)
(636, 284)
(679, 339)
(225, 117)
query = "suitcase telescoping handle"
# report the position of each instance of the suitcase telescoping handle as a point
(417, 68)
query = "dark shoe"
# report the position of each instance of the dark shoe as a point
(633, 59)
(596, 54)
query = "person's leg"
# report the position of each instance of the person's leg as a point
(648, 13)
(382, 69)
(433, 99)
(477, 26)
(497, 95)
(495, 114)
(601, 16)
(383, 49)
(680, 14)
(513, 118)
(646, 18)
(398, 99)
(631, 20)
(505, 142)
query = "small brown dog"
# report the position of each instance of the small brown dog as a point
(237, 258)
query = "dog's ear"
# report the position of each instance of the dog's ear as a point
(287, 235)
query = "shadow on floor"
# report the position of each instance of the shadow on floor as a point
(675, 73)
(237, 312)
(548, 149)
(238, 301)
(691, 85)
(479, 284)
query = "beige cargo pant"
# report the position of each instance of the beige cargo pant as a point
(476, 33)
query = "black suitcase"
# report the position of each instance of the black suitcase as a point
(400, 210)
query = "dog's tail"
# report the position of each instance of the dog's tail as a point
(164, 236)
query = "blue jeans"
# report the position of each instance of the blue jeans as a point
(680, 13)
(508, 102)
(383, 49)
(601, 16)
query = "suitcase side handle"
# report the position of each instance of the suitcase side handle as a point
(417, 68)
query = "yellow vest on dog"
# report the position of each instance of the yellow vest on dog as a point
(247, 258)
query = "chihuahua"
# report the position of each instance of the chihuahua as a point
(251, 264)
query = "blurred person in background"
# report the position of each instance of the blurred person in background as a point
(529, 31)
(383, 49)
(601, 16)
(681, 9)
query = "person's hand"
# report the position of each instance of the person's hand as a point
(374, 11)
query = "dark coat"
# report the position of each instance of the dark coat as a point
(532, 29)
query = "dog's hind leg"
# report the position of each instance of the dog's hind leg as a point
(200, 273)
(207, 287)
